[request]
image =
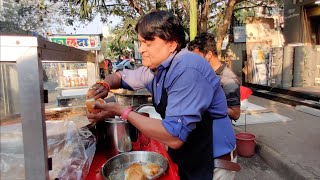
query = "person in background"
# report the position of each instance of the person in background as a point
(107, 67)
(205, 46)
(127, 63)
(101, 65)
(119, 60)
(186, 93)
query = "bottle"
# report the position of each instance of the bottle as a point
(69, 82)
(77, 83)
(65, 81)
(81, 81)
(84, 80)
(73, 82)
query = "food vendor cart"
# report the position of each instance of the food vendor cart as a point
(23, 112)
(27, 123)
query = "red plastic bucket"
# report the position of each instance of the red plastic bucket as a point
(245, 144)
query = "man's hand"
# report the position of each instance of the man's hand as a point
(101, 89)
(234, 112)
(97, 91)
(108, 110)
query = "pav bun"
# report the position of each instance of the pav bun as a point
(151, 169)
(134, 172)
(137, 171)
(90, 105)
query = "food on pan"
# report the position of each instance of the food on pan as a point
(90, 105)
(134, 172)
(151, 169)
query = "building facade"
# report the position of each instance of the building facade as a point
(302, 19)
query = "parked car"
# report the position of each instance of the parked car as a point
(124, 64)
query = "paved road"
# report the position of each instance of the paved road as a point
(291, 148)
(255, 168)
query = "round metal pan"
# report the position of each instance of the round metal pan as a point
(114, 167)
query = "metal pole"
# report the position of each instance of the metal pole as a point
(33, 115)
(245, 121)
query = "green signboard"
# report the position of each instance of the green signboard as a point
(84, 42)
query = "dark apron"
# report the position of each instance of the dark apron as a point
(195, 157)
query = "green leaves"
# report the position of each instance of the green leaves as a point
(213, 15)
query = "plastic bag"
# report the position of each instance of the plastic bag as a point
(72, 155)
(71, 149)
(244, 93)
(11, 166)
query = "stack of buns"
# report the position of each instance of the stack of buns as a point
(136, 171)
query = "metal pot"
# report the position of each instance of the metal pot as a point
(115, 135)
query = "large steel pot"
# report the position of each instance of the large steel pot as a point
(115, 135)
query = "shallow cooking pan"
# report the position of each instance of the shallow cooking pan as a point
(114, 168)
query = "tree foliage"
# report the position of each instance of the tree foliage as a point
(240, 10)
(213, 15)
(36, 16)
(130, 11)
(23, 17)
(121, 40)
(246, 9)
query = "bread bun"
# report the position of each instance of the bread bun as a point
(90, 105)
(90, 93)
(151, 169)
(134, 172)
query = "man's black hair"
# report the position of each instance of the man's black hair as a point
(204, 42)
(161, 24)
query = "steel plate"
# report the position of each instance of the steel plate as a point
(114, 168)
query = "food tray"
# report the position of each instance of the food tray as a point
(114, 168)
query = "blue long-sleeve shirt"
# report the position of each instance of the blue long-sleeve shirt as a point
(193, 88)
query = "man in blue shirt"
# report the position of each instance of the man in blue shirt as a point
(186, 93)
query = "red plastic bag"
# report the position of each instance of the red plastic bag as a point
(244, 93)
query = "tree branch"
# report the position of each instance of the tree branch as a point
(249, 7)
(134, 4)
(149, 4)
(222, 30)
(109, 5)
(185, 6)
(165, 3)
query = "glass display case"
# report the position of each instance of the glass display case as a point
(35, 76)
(67, 83)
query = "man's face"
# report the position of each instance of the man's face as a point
(156, 51)
(196, 50)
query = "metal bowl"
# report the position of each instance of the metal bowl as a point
(114, 167)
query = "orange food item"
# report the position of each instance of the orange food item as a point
(134, 172)
(90, 93)
(151, 169)
(90, 105)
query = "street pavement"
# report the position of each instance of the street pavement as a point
(290, 148)
(255, 168)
